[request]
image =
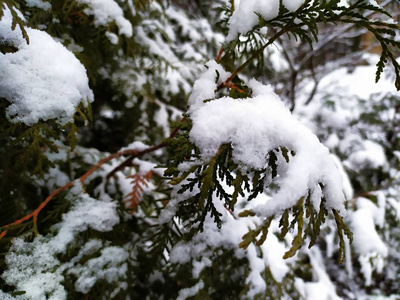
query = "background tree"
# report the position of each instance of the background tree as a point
(184, 181)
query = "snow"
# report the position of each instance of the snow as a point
(292, 5)
(38, 3)
(43, 272)
(189, 292)
(4, 296)
(255, 126)
(205, 86)
(245, 17)
(347, 188)
(321, 288)
(341, 82)
(366, 239)
(371, 154)
(42, 80)
(110, 265)
(112, 37)
(367, 243)
(201, 249)
(107, 11)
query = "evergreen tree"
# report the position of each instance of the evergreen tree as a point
(140, 161)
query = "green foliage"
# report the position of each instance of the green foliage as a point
(203, 182)
(131, 84)
(303, 25)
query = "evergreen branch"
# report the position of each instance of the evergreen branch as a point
(133, 154)
(327, 13)
(36, 212)
(16, 20)
(139, 182)
(254, 56)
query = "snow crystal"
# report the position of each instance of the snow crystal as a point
(106, 11)
(255, 126)
(42, 80)
(245, 17)
(38, 262)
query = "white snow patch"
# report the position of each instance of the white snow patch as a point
(254, 126)
(39, 4)
(244, 18)
(42, 274)
(106, 11)
(42, 80)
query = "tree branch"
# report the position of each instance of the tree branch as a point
(133, 153)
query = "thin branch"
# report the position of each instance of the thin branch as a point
(133, 153)
(221, 51)
(254, 56)
(128, 162)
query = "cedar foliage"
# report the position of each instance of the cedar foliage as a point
(27, 161)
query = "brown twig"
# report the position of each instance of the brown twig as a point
(233, 87)
(36, 212)
(131, 152)
(378, 188)
(255, 55)
(219, 54)
(128, 162)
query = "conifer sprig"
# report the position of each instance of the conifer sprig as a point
(303, 25)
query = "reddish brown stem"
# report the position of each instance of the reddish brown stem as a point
(131, 152)
(219, 54)
(255, 55)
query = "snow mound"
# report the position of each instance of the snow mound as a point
(42, 80)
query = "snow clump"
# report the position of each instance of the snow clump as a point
(42, 79)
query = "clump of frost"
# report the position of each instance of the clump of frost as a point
(367, 243)
(204, 87)
(106, 11)
(254, 127)
(245, 17)
(321, 289)
(42, 274)
(371, 155)
(111, 266)
(4, 296)
(200, 250)
(39, 4)
(190, 292)
(42, 80)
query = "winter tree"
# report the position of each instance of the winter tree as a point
(202, 150)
